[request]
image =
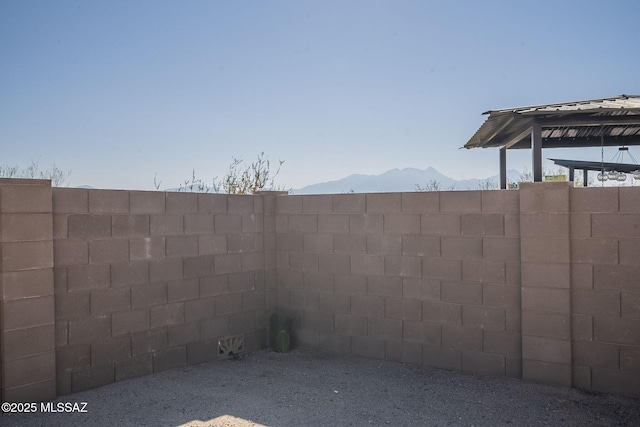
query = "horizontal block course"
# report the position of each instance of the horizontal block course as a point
(169, 358)
(26, 227)
(89, 226)
(349, 203)
(27, 370)
(89, 329)
(129, 322)
(594, 251)
(177, 202)
(428, 246)
(483, 318)
(70, 200)
(129, 225)
(19, 256)
(596, 354)
(384, 202)
(306, 223)
(403, 309)
(70, 252)
(108, 201)
(19, 343)
(129, 273)
(28, 312)
(460, 201)
(424, 201)
(484, 271)
(148, 341)
(363, 223)
(616, 277)
(593, 302)
(421, 288)
(110, 300)
(87, 277)
(164, 315)
(502, 342)
(615, 225)
(440, 224)
(163, 225)
(594, 200)
(546, 349)
(545, 224)
(26, 196)
(212, 203)
(240, 203)
(146, 202)
(461, 338)
(442, 268)
(461, 247)
(546, 275)
(423, 332)
(317, 204)
(402, 223)
(616, 330)
(546, 325)
(367, 265)
(403, 266)
(108, 251)
(333, 223)
(482, 224)
(388, 329)
(27, 283)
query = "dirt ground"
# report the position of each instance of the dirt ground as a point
(310, 388)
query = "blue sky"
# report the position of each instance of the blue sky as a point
(118, 91)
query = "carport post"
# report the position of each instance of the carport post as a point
(585, 177)
(503, 168)
(536, 145)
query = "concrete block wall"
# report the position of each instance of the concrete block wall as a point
(148, 281)
(98, 286)
(27, 318)
(605, 289)
(427, 278)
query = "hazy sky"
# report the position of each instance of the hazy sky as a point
(118, 91)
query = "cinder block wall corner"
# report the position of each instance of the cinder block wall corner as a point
(27, 313)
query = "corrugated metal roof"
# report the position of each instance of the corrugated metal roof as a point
(617, 102)
(568, 124)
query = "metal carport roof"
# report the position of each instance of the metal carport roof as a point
(591, 123)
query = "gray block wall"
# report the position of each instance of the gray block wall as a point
(539, 283)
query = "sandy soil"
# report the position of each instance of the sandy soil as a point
(310, 388)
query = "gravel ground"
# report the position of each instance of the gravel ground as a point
(310, 388)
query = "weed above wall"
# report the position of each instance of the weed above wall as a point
(241, 178)
(58, 177)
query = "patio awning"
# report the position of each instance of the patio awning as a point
(590, 123)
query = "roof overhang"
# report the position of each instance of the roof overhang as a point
(591, 123)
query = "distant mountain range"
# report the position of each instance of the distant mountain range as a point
(407, 179)
(396, 180)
